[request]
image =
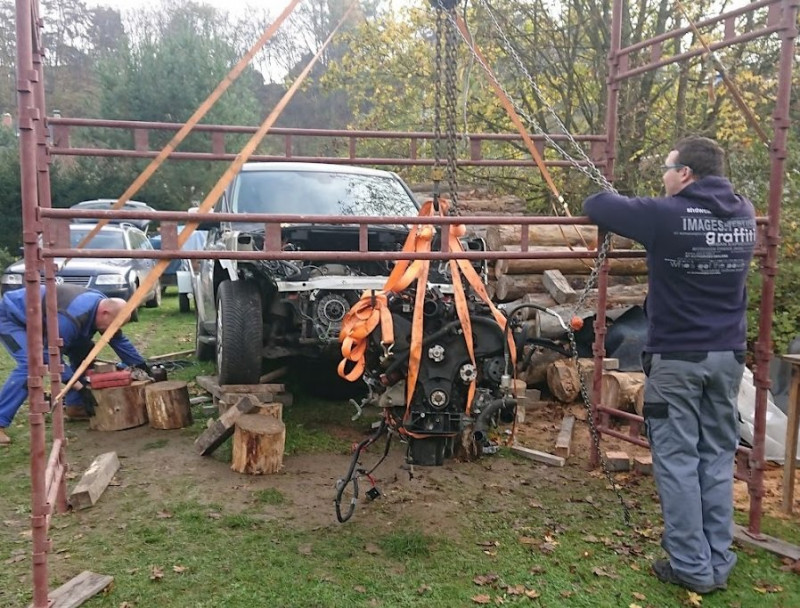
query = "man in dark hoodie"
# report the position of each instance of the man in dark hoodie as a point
(699, 240)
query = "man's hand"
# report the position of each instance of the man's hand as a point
(89, 402)
(144, 367)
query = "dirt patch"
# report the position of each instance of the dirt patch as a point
(158, 461)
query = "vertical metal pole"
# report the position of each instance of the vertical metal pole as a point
(31, 229)
(770, 265)
(43, 160)
(612, 107)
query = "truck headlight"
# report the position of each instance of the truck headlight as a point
(11, 279)
(110, 279)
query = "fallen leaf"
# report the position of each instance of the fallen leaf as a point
(488, 543)
(694, 599)
(164, 515)
(156, 573)
(422, 589)
(178, 569)
(639, 596)
(304, 549)
(566, 594)
(214, 515)
(601, 572)
(482, 599)
(372, 549)
(515, 589)
(14, 560)
(547, 547)
(531, 593)
(360, 589)
(765, 587)
(126, 605)
(634, 606)
(537, 570)
(590, 538)
(527, 540)
(485, 579)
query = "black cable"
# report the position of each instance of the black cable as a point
(352, 477)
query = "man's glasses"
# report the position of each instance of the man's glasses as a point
(676, 166)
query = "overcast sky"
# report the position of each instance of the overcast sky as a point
(233, 6)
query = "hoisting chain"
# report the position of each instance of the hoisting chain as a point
(437, 111)
(450, 100)
(591, 171)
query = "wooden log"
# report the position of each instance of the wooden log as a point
(620, 389)
(558, 287)
(638, 400)
(78, 590)
(119, 407)
(216, 434)
(549, 234)
(621, 266)
(536, 372)
(510, 287)
(274, 409)
(258, 443)
(564, 439)
(563, 381)
(94, 481)
(168, 405)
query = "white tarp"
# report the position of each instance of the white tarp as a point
(775, 436)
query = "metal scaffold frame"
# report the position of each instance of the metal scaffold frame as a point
(44, 229)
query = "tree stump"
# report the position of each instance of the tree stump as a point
(258, 443)
(119, 407)
(168, 405)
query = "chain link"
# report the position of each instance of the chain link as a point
(437, 101)
(450, 100)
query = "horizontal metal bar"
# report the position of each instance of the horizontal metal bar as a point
(605, 430)
(350, 256)
(619, 413)
(749, 8)
(333, 160)
(172, 126)
(695, 52)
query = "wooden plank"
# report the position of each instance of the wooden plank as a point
(219, 431)
(210, 385)
(78, 590)
(536, 455)
(558, 286)
(768, 543)
(94, 481)
(790, 451)
(177, 353)
(618, 461)
(564, 439)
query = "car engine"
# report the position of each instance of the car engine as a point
(438, 423)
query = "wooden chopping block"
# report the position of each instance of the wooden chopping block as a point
(121, 407)
(168, 405)
(258, 443)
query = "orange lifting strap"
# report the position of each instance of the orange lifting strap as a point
(372, 309)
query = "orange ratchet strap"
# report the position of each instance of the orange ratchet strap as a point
(372, 308)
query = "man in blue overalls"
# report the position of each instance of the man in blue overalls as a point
(81, 313)
(700, 239)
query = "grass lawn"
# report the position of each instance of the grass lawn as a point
(175, 529)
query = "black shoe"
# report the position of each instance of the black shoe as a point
(664, 572)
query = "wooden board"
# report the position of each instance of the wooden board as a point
(94, 481)
(769, 543)
(210, 384)
(558, 286)
(78, 590)
(564, 439)
(215, 435)
(536, 455)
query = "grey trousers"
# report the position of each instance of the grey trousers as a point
(690, 409)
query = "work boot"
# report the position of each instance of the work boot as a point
(664, 572)
(4, 439)
(75, 412)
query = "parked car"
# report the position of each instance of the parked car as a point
(179, 272)
(115, 277)
(107, 204)
(249, 310)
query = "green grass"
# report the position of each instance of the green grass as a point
(498, 528)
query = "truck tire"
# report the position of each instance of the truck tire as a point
(239, 333)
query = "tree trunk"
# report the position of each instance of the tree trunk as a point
(258, 443)
(120, 407)
(536, 372)
(512, 287)
(550, 235)
(168, 405)
(621, 390)
(622, 266)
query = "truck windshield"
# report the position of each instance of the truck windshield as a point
(321, 193)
